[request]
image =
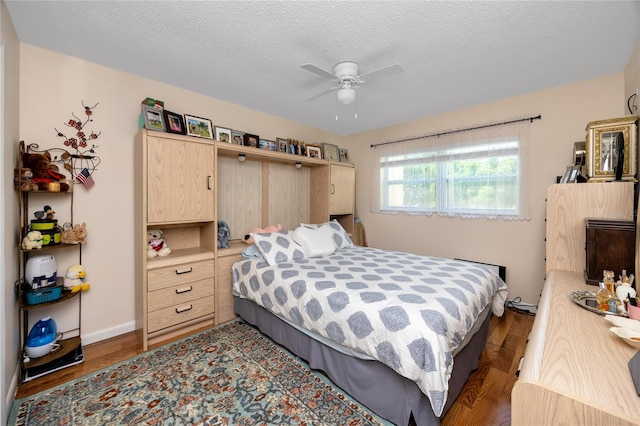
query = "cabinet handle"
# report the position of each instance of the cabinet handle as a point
(183, 271)
(184, 309)
(333, 189)
(183, 290)
(209, 182)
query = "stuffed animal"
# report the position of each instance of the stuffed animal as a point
(74, 279)
(76, 234)
(156, 245)
(224, 234)
(23, 180)
(43, 171)
(33, 240)
(269, 229)
(46, 213)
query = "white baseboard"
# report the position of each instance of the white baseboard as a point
(108, 333)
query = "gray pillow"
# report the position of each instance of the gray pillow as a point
(277, 247)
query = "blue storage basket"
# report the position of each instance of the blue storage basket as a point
(44, 294)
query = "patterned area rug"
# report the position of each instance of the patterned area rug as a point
(227, 375)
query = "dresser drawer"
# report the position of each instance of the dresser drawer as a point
(174, 315)
(179, 294)
(170, 276)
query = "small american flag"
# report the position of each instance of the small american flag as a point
(85, 178)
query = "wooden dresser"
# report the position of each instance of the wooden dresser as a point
(574, 370)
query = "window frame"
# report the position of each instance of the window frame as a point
(443, 156)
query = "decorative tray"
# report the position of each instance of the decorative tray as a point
(587, 300)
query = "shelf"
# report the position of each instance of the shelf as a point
(236, 247)
(66, 346)
(70, 351)
(180, 256)
(39, 191)
(256, 154)
(66, 295)
(73, 357)
(50, 247)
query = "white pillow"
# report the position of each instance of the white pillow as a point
(315, 242)
(340, 236)
(277, 247)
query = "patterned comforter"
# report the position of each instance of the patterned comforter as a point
(407, 311)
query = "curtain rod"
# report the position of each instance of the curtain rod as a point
(530, 119)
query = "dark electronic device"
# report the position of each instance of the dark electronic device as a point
(620, 147)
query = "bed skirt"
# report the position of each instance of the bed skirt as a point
(372, 383)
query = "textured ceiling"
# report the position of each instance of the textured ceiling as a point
(454, 54)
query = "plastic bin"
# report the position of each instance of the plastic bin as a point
(44, 294)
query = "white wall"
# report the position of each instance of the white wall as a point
(632, 80)
(9, 123)
(518, 245)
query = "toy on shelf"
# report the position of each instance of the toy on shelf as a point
(76, 234)
(74, 279)
(156, 245)
(43, 171)
(22, 178)
(46, 213)
(33, 240)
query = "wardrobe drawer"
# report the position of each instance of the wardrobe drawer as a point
(179, 294)
(174, 315)
(170, 276)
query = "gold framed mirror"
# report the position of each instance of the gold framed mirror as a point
(612, 144)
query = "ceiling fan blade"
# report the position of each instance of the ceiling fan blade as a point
(316, 70)
(316, 96)
(382, 72)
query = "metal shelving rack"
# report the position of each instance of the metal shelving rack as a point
(70, 351)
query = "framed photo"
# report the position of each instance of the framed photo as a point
(251, 140)
(330, 152)
(571, 174)
(198, 126)
(237, 137)
(300, 148)
(222, 134)
(153, 119)
(173, 122)
(283, 145)
(344, 155)
(611, 149)
(267, 144)
(314, 151)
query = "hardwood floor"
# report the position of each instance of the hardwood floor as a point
(485, 399)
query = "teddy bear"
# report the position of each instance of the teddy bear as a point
(33, 240)
(43, 170)
(156, 245)
(74, 279)
(269, 229)
(23, 180)
(76, 234)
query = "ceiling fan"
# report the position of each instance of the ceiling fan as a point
(345, 74)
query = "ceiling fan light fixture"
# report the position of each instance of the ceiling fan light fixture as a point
(346, 95)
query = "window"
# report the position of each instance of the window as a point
(468, 178)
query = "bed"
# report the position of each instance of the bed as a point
(387, 327)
